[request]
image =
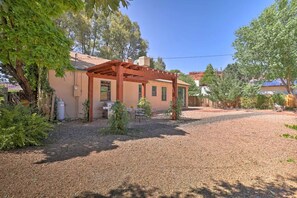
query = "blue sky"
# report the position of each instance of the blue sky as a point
(176, 28)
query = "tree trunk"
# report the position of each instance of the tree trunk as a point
(18, 73)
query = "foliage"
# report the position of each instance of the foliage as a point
(146, 105)
(19, 127)
(291, 126)
(158, 64)
(29, 36)
(208, 76)
(86, 108)
(118, 122)
(225, 89)
(248, 102)
(194, 90)
(177, 109)
(263, 102)
(250, 90)
(266, 48)
(279, 99)
(286, 135)
(236, 71)
(111, 37)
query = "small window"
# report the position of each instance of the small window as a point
(154, 91)
(105, 94)
(164, 93)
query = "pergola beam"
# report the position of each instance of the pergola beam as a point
(122, 71)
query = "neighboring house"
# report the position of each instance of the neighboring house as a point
(197, 76)
(275, 86)
(73, 88)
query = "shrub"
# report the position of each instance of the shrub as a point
(146, 105)
(248, 102)
(278, 99)
(118, 122)
(263, 102)
(19, 127)
(178, 109)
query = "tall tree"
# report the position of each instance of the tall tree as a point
(194, 90)
(266, 48)
(208, 76)
(112, 37)
(158, 64)
(30, 38)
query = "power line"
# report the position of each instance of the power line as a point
(202, 56)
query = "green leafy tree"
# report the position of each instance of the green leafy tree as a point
(111, 37)
(266, 48)
(194, 90)
(30, 37)
(158, 64)
(208, 76)
(226, 89)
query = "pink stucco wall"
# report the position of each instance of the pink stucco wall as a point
(73, 90)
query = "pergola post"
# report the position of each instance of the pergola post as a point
(120, 84)
(174, 97)
(90, 96)
(143, 90)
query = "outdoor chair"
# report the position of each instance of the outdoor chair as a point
(140, 114)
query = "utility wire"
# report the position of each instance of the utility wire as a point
(191, 57)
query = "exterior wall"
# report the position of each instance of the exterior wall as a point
(276, 89)
(73, 90)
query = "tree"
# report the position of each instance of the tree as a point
(111, 37)
(225, 89)
(266, 48)
(194, 90)
(236, 71)
(31, 41)
(208, 76)
(158, 64)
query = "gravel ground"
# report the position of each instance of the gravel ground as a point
(209, 153)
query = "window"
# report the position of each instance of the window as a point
(105, 91)
(139, 92)
(154, 91)
(164, 93)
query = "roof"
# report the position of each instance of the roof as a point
(196, 75)
(275, 83)
(180, 82)
(84, 61)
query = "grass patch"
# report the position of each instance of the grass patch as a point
(290, 160)
(291, 126)
(286, 135)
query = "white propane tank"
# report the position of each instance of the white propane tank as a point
(61, 110)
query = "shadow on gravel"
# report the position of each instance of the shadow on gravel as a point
(73, 139)
(76, 139)
(278, 188)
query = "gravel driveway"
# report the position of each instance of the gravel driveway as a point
(209, 153)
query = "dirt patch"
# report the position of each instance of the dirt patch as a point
(207, 154)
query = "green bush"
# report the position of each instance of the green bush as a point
(178, 109)
(19, 127)
(263, 102)
(146, 105)
(248, 102)
(118, 122)
(278, 99)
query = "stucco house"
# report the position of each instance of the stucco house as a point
(274, 86)
(73, 88)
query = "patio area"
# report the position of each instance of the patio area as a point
(209, 153)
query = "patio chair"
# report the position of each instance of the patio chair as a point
(140, 114)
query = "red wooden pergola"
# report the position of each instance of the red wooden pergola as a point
(124, 71)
